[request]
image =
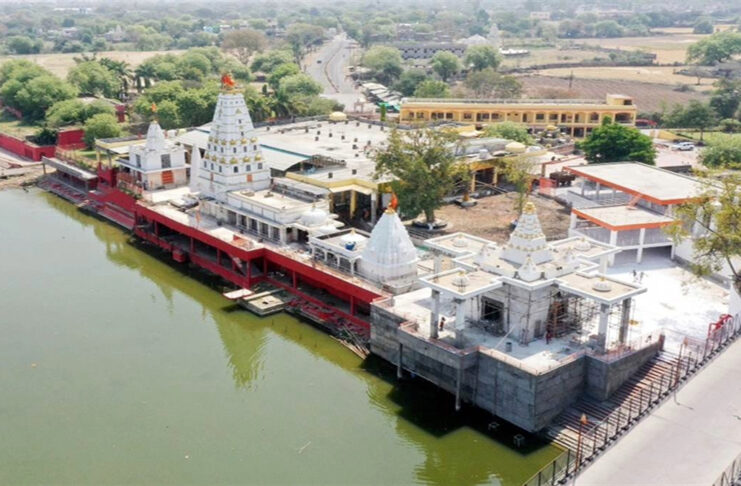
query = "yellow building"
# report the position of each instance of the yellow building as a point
(576, 117)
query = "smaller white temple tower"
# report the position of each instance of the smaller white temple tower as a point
(389, 257)
(157, 164)
(233, 159)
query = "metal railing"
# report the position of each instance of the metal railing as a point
(732, 475)
(508, 101)
(598, 437)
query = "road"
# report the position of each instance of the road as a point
(329, 66)
(689, 440)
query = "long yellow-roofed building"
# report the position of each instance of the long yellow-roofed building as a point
(576, 117)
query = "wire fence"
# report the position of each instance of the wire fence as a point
(732, 475)
(593, 439)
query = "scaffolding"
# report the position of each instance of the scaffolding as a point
(568, 313)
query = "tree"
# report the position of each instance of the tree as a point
(482, 57)
(243, 43)
(712, 221)
(726, 98)
(258, 104)
(92, 78)
(703, 25)
(509, 131)
(729, 125)
(66, 112)
(409, 80)
(608, 28)
(432, 89)
(168, 114)
(423, 168)
(445, 64)
(40, 93)
(101, 126)
(488, 83)
(520, 171)
(612, 142)
(267, 62)
(299, 85)
(384, 62)
(123, 72)
(700, 116)
(722, 152)
(20, 44)
(300, 36)
(280, 72)
(717, 48)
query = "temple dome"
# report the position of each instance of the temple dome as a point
(314, 217)
(155, 137)
(527, 240)
(389, 254)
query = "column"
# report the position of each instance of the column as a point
(460, 320)
(435, 315)
(613, 242)
(625, 320)
(437, 263)
(374, 206)
(572, 220)
(641, 240)
(604, 314)
(597, 187)
(353, 203)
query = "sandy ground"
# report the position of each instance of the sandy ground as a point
(491, 216)
(676, 300)
(668, 48)
(60, 63)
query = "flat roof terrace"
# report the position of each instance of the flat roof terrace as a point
(622, 218)
(651, 183)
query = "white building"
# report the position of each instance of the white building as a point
(157, 164)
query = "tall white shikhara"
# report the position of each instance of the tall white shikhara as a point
(233, 158)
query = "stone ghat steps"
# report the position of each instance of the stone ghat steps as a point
(609, 418)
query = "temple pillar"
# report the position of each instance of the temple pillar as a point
(604, 315)
(374, 207)
(625, 320)
(613, 242)
(435, 315)
(641, 240)
(460, 320)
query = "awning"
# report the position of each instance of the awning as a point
(352, 187)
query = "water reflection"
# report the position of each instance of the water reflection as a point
(456, 448)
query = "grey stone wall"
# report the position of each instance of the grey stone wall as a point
(556, 390)
(604, 377)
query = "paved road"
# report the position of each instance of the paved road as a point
(689, 440)
(335, 56)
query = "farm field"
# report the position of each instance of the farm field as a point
(648, 96)
(551, 56)
(60, 63)
(669, 49)
(643, 74)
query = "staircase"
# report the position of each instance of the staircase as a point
(609, 418)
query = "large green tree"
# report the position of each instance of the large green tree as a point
(713, 221)
(488, 83)
(423, 169)
(509, 131)
(384, 63)
(726, 98)
(719, 47)
(445, 64)
(482, 57)
(409, 80)
(432, 89)
(613, 142)
(92, 78)
(243, 43)
(102, 125)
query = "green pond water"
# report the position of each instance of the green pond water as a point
(117, 368)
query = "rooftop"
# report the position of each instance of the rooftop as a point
(624, 217)
(651, 183)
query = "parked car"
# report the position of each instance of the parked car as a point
(683, 146)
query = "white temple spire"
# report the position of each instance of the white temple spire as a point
(195, 169)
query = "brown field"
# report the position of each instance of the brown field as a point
(551, 56)
(59, 64)
(491, 216)
(648, 97)
(669, 49)
(642, 74)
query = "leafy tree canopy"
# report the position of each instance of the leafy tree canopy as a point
(432, 89)
(94, 79)
(509, 131)
(612, 142)
(102, 125)
(482, 57)
(445, 64)
(423, 169)
(384, 62)
(409, 80)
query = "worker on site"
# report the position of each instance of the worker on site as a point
(442, 323)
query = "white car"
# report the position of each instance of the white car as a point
(683, 146)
